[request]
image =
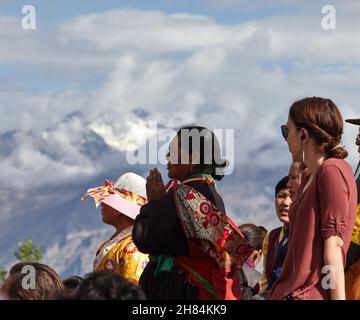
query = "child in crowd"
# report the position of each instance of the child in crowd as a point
(250, 278)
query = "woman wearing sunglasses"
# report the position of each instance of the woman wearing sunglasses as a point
(323, 215)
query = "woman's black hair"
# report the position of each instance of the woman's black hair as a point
(282, 184)
(253, 234)
(72, 282)
(106, 285)
(207, 140)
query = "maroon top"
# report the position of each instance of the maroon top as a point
(325, 209)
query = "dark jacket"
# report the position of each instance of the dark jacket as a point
(158, 231)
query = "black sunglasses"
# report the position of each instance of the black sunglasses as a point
(284, 131)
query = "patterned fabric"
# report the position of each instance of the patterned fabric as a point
(100, 193)
(215, 232)
(212, 233)
(122, 258)
(356, 231)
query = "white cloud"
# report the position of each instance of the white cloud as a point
(150, 32)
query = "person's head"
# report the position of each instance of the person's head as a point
(71, 285)
(295, 176)
(195, 150)
(72, 282)
(283, 200)
(113, 217)
(120, 201)
(315, 122)
(107, 285)
(32, 281)
(254, 235)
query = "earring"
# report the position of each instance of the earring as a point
(302, 152)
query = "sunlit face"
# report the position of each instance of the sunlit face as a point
(294, 141)
(295, 175)
(109, 214)
(282, 205)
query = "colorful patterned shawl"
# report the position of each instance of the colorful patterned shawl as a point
(217, 247)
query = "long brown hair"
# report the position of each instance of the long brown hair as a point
(48, 283)
(324, 123)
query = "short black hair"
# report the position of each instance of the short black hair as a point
(106, 285)
(72, 282)
(282, 184)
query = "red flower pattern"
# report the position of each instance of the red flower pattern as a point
(205, 208)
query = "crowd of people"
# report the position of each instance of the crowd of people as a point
(176, 240)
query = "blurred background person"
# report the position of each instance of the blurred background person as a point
(352, 276)
(106, 285)
(71, 285)
(295, 177)
(250, 278)
(47, 283)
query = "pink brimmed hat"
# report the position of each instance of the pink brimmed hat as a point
(127, 195)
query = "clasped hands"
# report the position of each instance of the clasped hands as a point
(154, 185)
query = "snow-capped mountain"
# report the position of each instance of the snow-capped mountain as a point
(44, 204)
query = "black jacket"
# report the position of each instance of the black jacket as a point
(158, 231)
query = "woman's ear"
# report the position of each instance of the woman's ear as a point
(304, 134)
(257, 256)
